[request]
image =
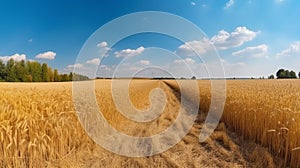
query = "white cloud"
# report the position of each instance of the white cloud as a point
(134, 68)
(187, 60)
(49, 55)
(224, 40)
(193, 3)
(255, 51)
(75, 66)
(30, 40)
(294, 48)
(229, 4)
(144, 62)
(102, 44)
(103, 48)
(200, 47)
(16, 57)
(129, 52)
(95, 61)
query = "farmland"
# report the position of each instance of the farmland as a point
(259, 127)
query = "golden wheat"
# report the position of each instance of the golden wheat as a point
(265, 111)
(39, 126)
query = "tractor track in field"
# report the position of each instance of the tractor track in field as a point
(227, 146)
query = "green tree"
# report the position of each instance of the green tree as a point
(44, 74)
(11, 71)
(280, 73)
(71, 76)
(35, 71)
(78, 77)
(2, 71)
(271, 77)
(50, 74)
(31, 71)
(292, 74)
(286, 74)
(21, 71)
(64, 77)
(56, 76)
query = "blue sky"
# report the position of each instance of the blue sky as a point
(252, 37)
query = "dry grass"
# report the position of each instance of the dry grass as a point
(39, 126)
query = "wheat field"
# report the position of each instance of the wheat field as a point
(264, 111)
(260, 126)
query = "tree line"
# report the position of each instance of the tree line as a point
(32, 71)
(285, 74)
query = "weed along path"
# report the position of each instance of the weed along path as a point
(39, 127)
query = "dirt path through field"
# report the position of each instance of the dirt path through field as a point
(222, 149)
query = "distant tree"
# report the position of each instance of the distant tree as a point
(36, 71)
(193, 78)
(21, 71)
(50, 74)
(292, 74)
(280, 73)
(11, 71)
(299, 74)
(2, 71)
(44, 74)
(71, 76)
(31, 71)
(29, 78)
(78, 77)
(64, 77)
(286, 74)
(56, 76)
(271, 77)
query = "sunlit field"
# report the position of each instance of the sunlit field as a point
(259, 128)
(264, 111)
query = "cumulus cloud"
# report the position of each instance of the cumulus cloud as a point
(193, 3)
(229, 4)
(16, 57)
(294, 48)
(103, 48)
(187, 60)
(95, 61)
(129, 52)
(144, 62)
(255, 51)
(75, 66)
(102, 44)
(135, 68)
(222, 41)
(199, 47)
(49, 55)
